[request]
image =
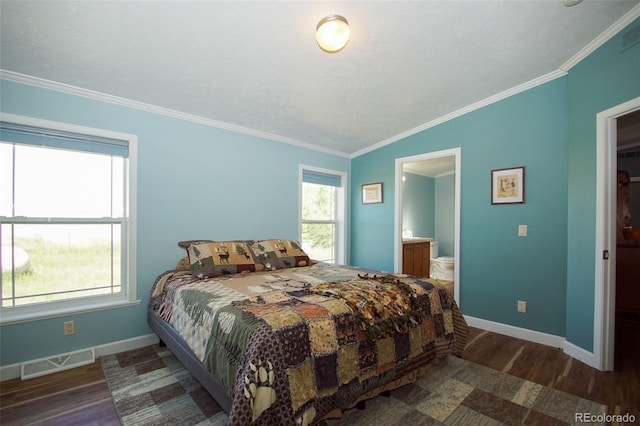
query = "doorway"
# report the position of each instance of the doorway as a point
(446, 162)
(606, 232)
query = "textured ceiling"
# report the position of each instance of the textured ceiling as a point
(255, 67)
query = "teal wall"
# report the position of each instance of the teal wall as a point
(551, 130)
(606, 78)
(497, 267)
(194, 181)
(418, 204)
(445, 210)
(428, 209)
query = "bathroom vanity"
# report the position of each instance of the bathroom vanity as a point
(415, 256)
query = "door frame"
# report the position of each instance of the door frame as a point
(606, 194)
(397, 247)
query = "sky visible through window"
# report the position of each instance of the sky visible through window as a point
(59, 183)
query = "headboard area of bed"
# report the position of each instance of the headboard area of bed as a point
(214, 258)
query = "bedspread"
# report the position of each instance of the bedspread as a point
(291, 347)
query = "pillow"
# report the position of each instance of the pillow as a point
(279, 254)
(183, 264)
(185, 244)
(213, 259)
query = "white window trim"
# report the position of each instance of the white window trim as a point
(16, 314)
(341, 209)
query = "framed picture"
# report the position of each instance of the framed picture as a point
(372, 193)
(507, 186)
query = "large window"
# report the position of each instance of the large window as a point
(66, 218)
(322, 219)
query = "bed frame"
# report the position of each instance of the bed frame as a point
(181, 350)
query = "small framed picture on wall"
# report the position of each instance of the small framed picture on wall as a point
(507, 186)
(372, 193)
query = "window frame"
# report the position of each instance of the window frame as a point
(341, 210)
(128, 295)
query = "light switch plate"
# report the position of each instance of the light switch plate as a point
(522, 230)
(522, 306)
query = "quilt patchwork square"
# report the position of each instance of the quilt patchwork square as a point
(302, 389)
(415, 341)
(347, 363)
(346, 329)
(367, 354)
(334, 306)
(438, 323)
(312, 311)
(429, 330)
(326, 372)
(294, 343)
(281, 318)
(436, 306)
(448, 322)
(323, 336)
(402, 346)
(386, 353)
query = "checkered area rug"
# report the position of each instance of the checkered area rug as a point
(459, 392)
(149, 386)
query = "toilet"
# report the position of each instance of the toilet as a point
(440, 267)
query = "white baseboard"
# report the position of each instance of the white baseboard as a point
(569, 348)
(580, 354)
(126, 345)
(518, 332)
(12, 371)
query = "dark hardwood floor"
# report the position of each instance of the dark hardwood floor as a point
(619, 389)
(80, 396)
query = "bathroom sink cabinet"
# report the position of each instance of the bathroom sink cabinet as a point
(415, 258)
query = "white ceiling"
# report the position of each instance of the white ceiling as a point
(433, 168)
(254, 67)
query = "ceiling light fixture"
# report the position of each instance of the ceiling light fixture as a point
(332, 33)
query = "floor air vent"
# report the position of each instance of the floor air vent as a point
(40, 367)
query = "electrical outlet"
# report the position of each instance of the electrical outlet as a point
(522, 306)
(69, 328)
(522, 230)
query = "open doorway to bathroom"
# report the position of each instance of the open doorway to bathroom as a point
(430, 210)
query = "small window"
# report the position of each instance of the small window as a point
(66, 222)
(323, 214)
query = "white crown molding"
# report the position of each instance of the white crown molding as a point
(453, 172)
(116, 100)
(462, 111)
(614, 29)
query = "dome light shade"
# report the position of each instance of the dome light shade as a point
(332, 33)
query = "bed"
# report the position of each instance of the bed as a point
(276, 338)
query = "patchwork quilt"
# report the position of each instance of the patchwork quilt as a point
(293, 346)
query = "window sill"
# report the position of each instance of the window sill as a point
(42, 311)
